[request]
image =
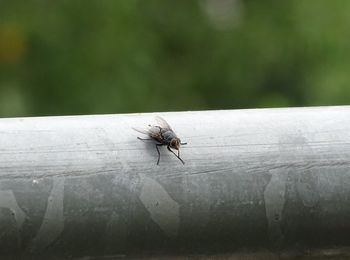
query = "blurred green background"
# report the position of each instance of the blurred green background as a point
(104, 56)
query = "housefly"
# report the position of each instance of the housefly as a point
(162, 134)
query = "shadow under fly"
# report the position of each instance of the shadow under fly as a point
(162, 134)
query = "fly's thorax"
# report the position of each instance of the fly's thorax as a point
(170, 138)
(168, 135)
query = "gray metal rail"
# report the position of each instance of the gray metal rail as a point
(259, 179)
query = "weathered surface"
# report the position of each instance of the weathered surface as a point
(84, 186)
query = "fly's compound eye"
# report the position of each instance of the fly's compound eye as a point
(174, 144)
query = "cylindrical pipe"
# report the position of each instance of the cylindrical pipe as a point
(85, 186)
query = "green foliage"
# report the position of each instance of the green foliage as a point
(83, 57)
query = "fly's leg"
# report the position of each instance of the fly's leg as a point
(157, 144)
(145, 139)
(178, 156)
(158, 152)
(183, 143)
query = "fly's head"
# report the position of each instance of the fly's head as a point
(175, 143)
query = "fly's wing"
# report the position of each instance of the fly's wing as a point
(162, 123)
(151, 131)
(141, 130)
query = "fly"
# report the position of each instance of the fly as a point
(162, 134)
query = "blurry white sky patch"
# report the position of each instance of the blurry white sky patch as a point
(224, 14)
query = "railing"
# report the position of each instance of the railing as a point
(260, 180)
